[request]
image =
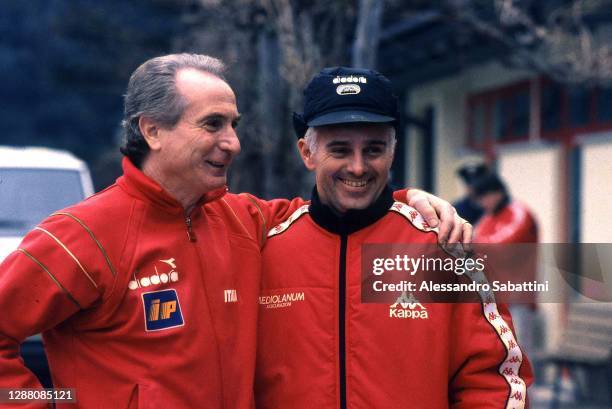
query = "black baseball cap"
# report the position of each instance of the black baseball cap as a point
(340, 95)
(488, 183)
(470, 173)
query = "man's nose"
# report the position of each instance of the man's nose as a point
(230, 142)
(357, 165)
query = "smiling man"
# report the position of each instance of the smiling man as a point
(319, 346)
(359, 183)
(146, 293)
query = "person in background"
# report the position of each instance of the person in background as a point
(467, 207)
(504, 220)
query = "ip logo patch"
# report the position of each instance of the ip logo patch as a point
(162, 310)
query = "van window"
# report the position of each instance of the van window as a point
(27, 196)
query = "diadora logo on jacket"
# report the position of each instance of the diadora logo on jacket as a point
(162, 310)
(407, 306)
(164, 271)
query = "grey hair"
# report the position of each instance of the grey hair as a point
(152, 93)
(310, 137)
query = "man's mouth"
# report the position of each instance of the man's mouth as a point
(355, 182)
(217, 165)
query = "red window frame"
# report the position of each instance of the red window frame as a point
(490, 100)
(565, 132)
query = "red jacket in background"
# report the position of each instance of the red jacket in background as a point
(514, 223)
(139, 305)
(320, 347)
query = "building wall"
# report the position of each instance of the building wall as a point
(596, 186)
(596, 206)
(448, 98)
(532, 174)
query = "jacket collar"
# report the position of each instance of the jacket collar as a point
(352, 220)
(140, 185)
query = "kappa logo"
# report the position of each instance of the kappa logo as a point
(407, 306)
(162, 310)
(168, 273)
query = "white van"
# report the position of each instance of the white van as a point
(35, 182)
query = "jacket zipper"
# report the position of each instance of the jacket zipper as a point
(342, 319)
(190, 233)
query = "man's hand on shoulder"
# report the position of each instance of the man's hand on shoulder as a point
(440, 213)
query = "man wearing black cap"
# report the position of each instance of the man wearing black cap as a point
(505, 220)
(467, 207)
(318, 344)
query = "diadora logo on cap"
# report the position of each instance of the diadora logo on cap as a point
(162, 310)
(407, 306)
(164, 271)
(350, 79)
(348, 89)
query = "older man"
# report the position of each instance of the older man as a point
(319, 346)
(143, 292)
(146, 292)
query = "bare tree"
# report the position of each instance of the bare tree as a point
(367, 33)
(567, 43)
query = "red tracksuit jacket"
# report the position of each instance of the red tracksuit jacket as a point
(320, 347)
(139, 305)
(513, 223)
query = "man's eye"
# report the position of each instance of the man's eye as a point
(235, 124)
(213, 124)
(374, 151)
(339, 151)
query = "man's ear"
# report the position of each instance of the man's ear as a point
(151, 132)
(306, 154)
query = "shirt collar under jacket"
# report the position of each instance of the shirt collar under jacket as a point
(140, 185)
(352, 220)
